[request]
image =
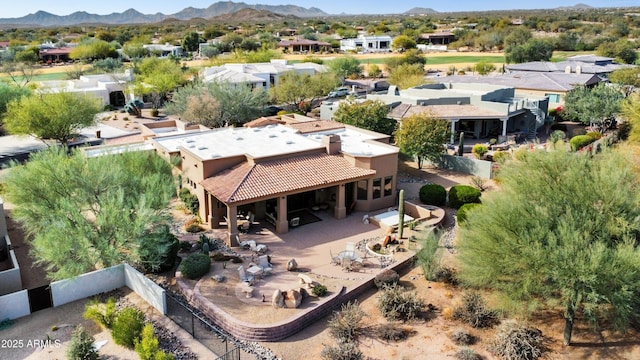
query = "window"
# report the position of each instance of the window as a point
(388, 185)
(377, 188)
(553, 98)
(362, 190)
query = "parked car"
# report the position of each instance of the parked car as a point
(339, 92)
(272, 110)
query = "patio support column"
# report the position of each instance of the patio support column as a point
(214, 216)
(282, 223)
(232, 225)
(340, 211)
(504, 126)
(453, 129)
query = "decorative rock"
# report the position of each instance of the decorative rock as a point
(219, 278)
(292, 265)
(292, 299)
(303, 292)
(277, 300)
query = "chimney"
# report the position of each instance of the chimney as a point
(332, 143)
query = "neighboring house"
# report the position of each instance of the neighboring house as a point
(479, 110)
(581, 64)
(276, 170)
(553, 85)
(367, 43)
(304, 46)
(55, 55)
(108, 88)
(164, 50)
(257, 75)
(438, 38)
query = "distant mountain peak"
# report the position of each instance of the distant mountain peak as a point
(132, 16)
(420, 10)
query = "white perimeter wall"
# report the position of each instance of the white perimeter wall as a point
(14, 305)
(145, 288)
(86, 285)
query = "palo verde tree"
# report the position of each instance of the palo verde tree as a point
(370, 115)
(423, 136)
(295, 89)
(345, 67)
(157, 78)
(562, 230)
(595, 106)
(83, 214)
(51, 116)
(218, 104)
(9, 93)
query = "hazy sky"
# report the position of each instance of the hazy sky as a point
(65, 7)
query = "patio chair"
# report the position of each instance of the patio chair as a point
(263, 262)
(294, 222)
(335, 260)
(245, 227)
(244, 277)
(259, 249)
(351, 247)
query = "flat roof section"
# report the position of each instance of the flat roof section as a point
(356, 143)
(257, 142)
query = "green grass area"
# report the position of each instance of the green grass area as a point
(39, 77)
(444, 60)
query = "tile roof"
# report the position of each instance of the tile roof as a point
(305, 127)
(248, 181)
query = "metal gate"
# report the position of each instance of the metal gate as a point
(40, 298)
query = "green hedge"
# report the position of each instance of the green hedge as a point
(461, 215)
(433, 194)
(579, 141)
(195, 265)
(463, 194)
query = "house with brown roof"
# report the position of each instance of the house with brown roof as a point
(304, 46)
(276, 169)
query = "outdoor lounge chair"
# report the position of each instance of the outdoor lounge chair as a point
(256, 248)
(263, 262)
(244, 277)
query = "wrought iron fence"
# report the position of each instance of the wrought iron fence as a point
(202, 330)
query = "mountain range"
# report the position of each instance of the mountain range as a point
(132, 16)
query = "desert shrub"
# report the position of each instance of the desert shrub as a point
(428, 256)
(580, 141)
(387, 277)
(192, 225)
(319, 290)
(461, 214)
(467, 354)
(501, 156)
(393, 332)
(433, 194)
(463, 194)
(479, 150)
(102, 314)
(195, 265)
(479, 182)
(474, 311)
(462, 337)
(518, 342)
(159, 250)
(81, 346)
(624, 128)
(446, 275)
(190, 200)
(396, 303)
(344, 351)
(155, 112)
(127, 327)
(594, 135)
(346, 325)
(147, 347)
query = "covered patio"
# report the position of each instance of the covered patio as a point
(281, 192)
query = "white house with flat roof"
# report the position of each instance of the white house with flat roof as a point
(107, 87)
(367, 43)
(258, 75)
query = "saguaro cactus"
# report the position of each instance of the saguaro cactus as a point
(461, 145)
(401, 215)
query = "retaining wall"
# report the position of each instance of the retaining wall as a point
(14, 305)
(275, 332)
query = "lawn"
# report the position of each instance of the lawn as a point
(38, 77)
(445, 60)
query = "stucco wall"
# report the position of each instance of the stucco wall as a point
(15, 305)
(86, 285)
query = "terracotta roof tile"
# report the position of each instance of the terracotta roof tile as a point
(271, 178)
